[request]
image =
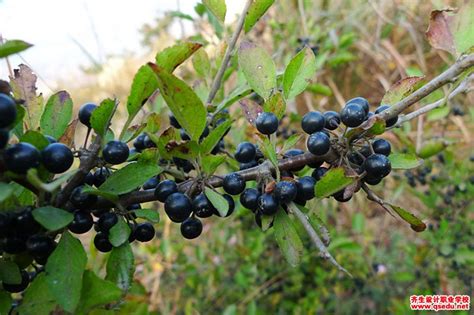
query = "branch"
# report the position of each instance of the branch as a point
(464, 86)
(253, 173)
(216, 84)
(315, 237)
(462, 64)
(373, 197)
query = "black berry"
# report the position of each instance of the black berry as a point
(115, 152)
(82, 222)
(319, 172)
(151, 183)
(20, 157)
(174, 122)
(139, 143)
(339, 196)
(233, 184)
(377, 166)
(39, 245)
(285, 191)
(245, 152)
(305, 188)
(4, 137)
(100, 176)
(57, 158)
(267, 204)
(249, 198)
(312, 122)
(7, 110)
(25, 222)
(102, 243)
(191, 228)
(202, 207)
(85, 113)
(107, 221)
(50, 139)
(266, 123)
(178, 207)
(82, 200)
(318, 143)
(15, 288)
(332, 120)
(144, 232)
(382, 146)
(164, 189)
(362, 102)
(352, 115)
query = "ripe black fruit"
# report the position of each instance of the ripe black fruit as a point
(115, 152)
(389, 122)
(107, 221)
(312, 122)
(352, 115)
(191, 228)
(7, 110)
(319, 172)
(245, 152)
(266, 123)
(144, 232)
(233, 184)
(57, 158)
(164, 189)
(332, 120)
(178, 207)
(202, 207)
(249, 198)
(82, 222)
(82, 200)
(244, 166)
(4, 136)
(13, 244)
(339, 196)
(377, 166)
(85, 113)
(50, 139)
(305, 188)
(20, 157)
(39, 245)
(285, 191)
(139, 143)
(102, 243)
(382, 146)
(25, 222)
(267, 204)
(174, 122)
(362, 102)
(15, 288)
(100, 176)
(231, 203)
(318, 143)
(151, 183)
(374, 180)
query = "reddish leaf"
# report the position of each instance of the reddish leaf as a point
(251, 110)
(68, 137)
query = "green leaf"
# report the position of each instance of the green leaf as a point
(173, 56)
(129, 177)
(258, 68)
(143, 85)
(102, 115)
(275, 104)
(416, 224)
(438, 113)
(201, 63)
(183, 102)
(217, 7)
(56, 115)
(153, 123)
(168, 135)
(64, 271)
(96, 292)
(218, 201)
(404, 161)
(6, 302)
(268, 151)
(431, 148)
(52, 218)
(35, 138)
(318, 88)
(121, 266)
(148, 214)
(209, 143)
(119, 233)
(9, 272)
(333, 181)
(37, 299)
(267, 221)
(287, 238)
(133, 132)
(13, 46)
(94, 191)
(291, 142)
(452, 31)
(5, 191)
(256, 11)
(236, 95)
(402, 89)
(211, 162)
(298, 73)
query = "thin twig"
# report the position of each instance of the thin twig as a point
(303, 18)
(373, 197)
(216, 84)
(315, 237)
